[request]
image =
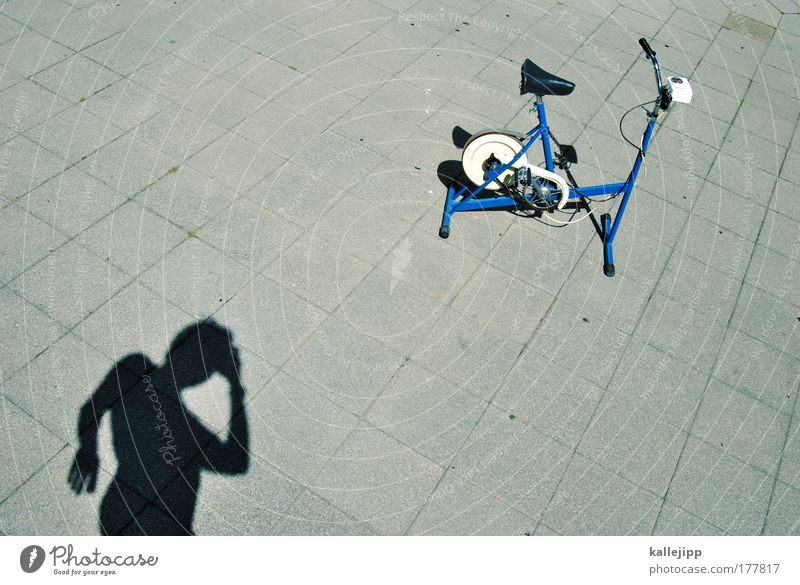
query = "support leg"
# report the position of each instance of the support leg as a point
(444, 230)
(608, 251)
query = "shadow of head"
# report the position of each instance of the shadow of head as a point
(161, 446)
(199, 351)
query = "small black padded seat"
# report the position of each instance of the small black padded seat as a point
(537, 81)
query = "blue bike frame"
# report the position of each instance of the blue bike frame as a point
(465, 200)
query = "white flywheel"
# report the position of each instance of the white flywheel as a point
(487, 146)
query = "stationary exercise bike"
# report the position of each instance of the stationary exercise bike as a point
(496, 161)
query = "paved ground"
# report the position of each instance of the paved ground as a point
(273, 165)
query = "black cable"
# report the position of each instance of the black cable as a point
(622, 133)
(607, 199)
(638, 151)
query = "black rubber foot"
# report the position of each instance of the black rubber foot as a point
(444, 232)
(608, 270)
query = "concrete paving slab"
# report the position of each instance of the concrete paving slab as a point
(674, 520)
(745, 428)
(171, 77)
(790, 464)
(131, 237)
(393, 481)
(235, 162)
(72, 201)
(232, 504)
(187, 198)
(780, 519)
(419, 261)
(262, 124)
(540, 262)
(28, 240)
(249, 234)
(458, 506)
(76, 77)
(757, 369)
(317, 100)
(128, 164)
(514, 461)
(693, 337)
(31, 166)
(222, 102)
(571, 338)
(295, 429)
(70, 283)
(715, 246)
(134, 321)
(344, 364)
(380, 52)
(270, 321)
(12, 28)
(123, 53)
(77, 30)
(780, 105)
(351, 162)
(179, 131)
(426, 412)
(32, 52)
(398, 189)
(27, 447)
(351, 75)
(262, 75)
(560, 408)
(211, 277)
(739, 214)
(282, 168)
(505, 303)
(650, 383)
(768, 318)
(315, 271)
(216, 54)
(55, 385)
(711, 484)
(619, 301)
(779, 233)
(126, 104)
(462, 349)
(313, 515)
(46, 505)
(474, 233)
(772, 271)
(38, 331)
(305, 54)
(375, 231)
(592, 500)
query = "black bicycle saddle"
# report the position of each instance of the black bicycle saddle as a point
(537, 81)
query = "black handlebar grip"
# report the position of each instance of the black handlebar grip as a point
(646, 46)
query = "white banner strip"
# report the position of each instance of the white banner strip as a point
(400, 560)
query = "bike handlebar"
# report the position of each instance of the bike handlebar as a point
(646, 46)
(664, 95)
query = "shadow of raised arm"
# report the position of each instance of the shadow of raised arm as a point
(233, 455)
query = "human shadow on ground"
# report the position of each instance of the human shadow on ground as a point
(161, 447)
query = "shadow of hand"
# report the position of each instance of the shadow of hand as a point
(83, 473)
(231, 370)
